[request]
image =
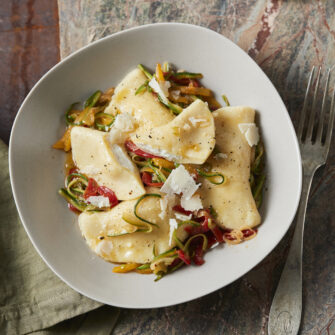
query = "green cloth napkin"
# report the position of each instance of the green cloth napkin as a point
(32, 298)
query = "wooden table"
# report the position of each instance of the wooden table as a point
(285, 38)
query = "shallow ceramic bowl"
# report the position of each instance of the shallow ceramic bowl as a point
(37, 171)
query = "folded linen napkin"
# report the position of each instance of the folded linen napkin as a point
(32, 298)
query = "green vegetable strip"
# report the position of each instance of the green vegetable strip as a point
(139, 201)
(258, 188)
(101, 126)
(70, 118)
(210, 176)
(191, 222)
(175, 108)
(143, 266)
(141, 229)
(158, 173)
(138, 160)
(70, 188)
(187, 75)
(225, 99)
(257, 166)
(179, 243)
(93, 99)
(142, 88)
(168, 253)
(82, 178)
(74, 202)
(146, 72)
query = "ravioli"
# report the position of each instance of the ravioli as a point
(108, 163)
(233, 201)
(144, 106)
(188, 138)
(135, 247)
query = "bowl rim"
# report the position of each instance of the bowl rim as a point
(68, 58)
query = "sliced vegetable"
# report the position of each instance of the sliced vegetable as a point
(142, 88)
(139, 201)
(130, 146)
(225, 99)
(80, 206)
(103, 117)
(69, 118)
(147, 180)
(145, 71)
(108, 193)
(187, 75)
(212, 177)
(195, 90)
(93, 99)
(125, 267)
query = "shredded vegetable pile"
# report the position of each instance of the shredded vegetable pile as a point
(83, 194)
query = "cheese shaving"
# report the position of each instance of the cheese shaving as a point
(192, 204)
(157, 89)
(180, 181)
(250, 132)
(99, 201)
(173, 226)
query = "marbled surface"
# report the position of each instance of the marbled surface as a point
(286, 38)
(29, 46)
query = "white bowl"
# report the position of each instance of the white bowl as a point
(36, 170)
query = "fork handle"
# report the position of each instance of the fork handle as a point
(285, 312)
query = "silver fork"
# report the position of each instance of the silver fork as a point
(286, 308)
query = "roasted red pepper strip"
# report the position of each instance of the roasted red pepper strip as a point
(181, 210)
(198, 255)
(147, 180)
(218, 234)
(91, 189)
(72, 208)
(184, 257)
(107, 192)
(130, 146)
(248, 232)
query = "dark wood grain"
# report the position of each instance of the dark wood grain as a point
(29, 46)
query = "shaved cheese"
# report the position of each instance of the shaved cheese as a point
(123, 158)
(165, 85)
(194, 121)
(124, 122)
(186, 126)
(250, 132)
(99, 201)
(183, 217)
(192, 204)
(153, 83)
(180, 181)
(173, 226)
(159, 152)
(163, 203)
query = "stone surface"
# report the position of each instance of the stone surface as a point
(29, 46)
(286, 38)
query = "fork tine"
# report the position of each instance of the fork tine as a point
(330, 123)
(322, 115)
(313, 111)
(303, 112)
